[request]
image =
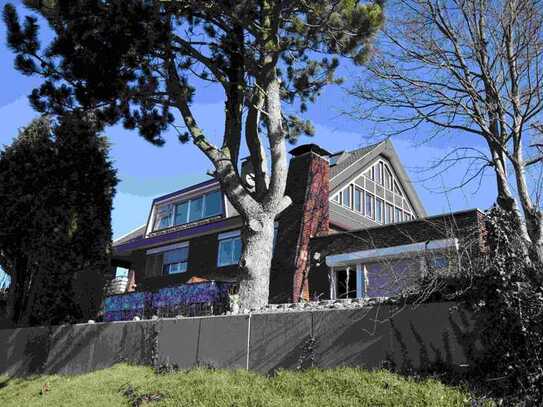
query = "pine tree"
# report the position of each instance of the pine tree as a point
(139, 62)
(56, 190)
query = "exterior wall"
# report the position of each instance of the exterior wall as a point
(369, 337)
(384, 150)
(466, 226)
(202, 262)
(307, 216)
(347, 219)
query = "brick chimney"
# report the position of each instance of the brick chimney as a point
(308, 185)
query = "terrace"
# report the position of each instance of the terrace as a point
(195, 299)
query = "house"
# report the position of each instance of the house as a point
(356, 228)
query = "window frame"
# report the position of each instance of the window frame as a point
(385, 178)
(381, 218)
(189, 202)
(223, 238)
(166, 267)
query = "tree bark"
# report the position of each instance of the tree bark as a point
(255, 262)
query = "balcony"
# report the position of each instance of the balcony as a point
(188, 300)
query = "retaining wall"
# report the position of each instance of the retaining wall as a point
(368, 337)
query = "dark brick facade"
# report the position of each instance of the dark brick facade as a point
(308, 216)
(202, 262)
(467, 227)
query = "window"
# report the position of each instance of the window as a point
(196, 209)
(164, 221)
(398, 215)
(229, 248)
(181, 213)
(369, 205)
(347, 197)
(379, 210)
(204, 206)
(389, 214)
(121, 272)
(213, 204)
(163, 217)
(175, 261)
(346, 283)
(358, 200)
(388, 179)
(376, 194)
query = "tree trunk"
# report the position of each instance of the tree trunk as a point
(255, 262)
(17, 291)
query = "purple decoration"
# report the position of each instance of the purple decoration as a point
(125, 307)
(170, 236)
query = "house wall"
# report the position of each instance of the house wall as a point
(347, 219)
(202, 262)
(466, 226)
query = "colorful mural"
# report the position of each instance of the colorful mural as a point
(186, 299)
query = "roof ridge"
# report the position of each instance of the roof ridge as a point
(353, 157)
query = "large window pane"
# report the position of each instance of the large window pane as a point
(213, 204)
(236, 250)
(388, 179)
(225, 252)
(163, 217)
(196, 209)
(229, 251)
(398, 215)
(358, 200)
(389, 214)
(181, 213)
(378, 173)
(164, 222)
(379, 210)
(176, 256)
(347, 197)
(369, 205)
(175, 261)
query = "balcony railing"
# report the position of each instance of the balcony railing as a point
(198, 299)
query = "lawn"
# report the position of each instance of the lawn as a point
(125, 385)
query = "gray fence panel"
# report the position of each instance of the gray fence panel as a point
(70, 349)
(25, 350)
(178, 342)
(359, 337)
(223, 342)
(123, 342)
(280, 341)
(428, 334)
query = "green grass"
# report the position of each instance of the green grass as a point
(204, 387)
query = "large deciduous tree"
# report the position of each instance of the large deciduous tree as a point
(56, 190)
(139, 62)
(470, 68)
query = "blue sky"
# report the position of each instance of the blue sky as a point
(147, 171)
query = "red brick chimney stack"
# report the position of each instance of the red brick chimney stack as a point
(308, 185)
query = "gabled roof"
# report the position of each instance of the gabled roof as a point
(348, 168)
(347, 158)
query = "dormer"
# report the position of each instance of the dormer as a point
(184, 209)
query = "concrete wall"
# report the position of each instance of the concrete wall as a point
(368, 337)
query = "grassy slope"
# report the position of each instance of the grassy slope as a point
(200, 387)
